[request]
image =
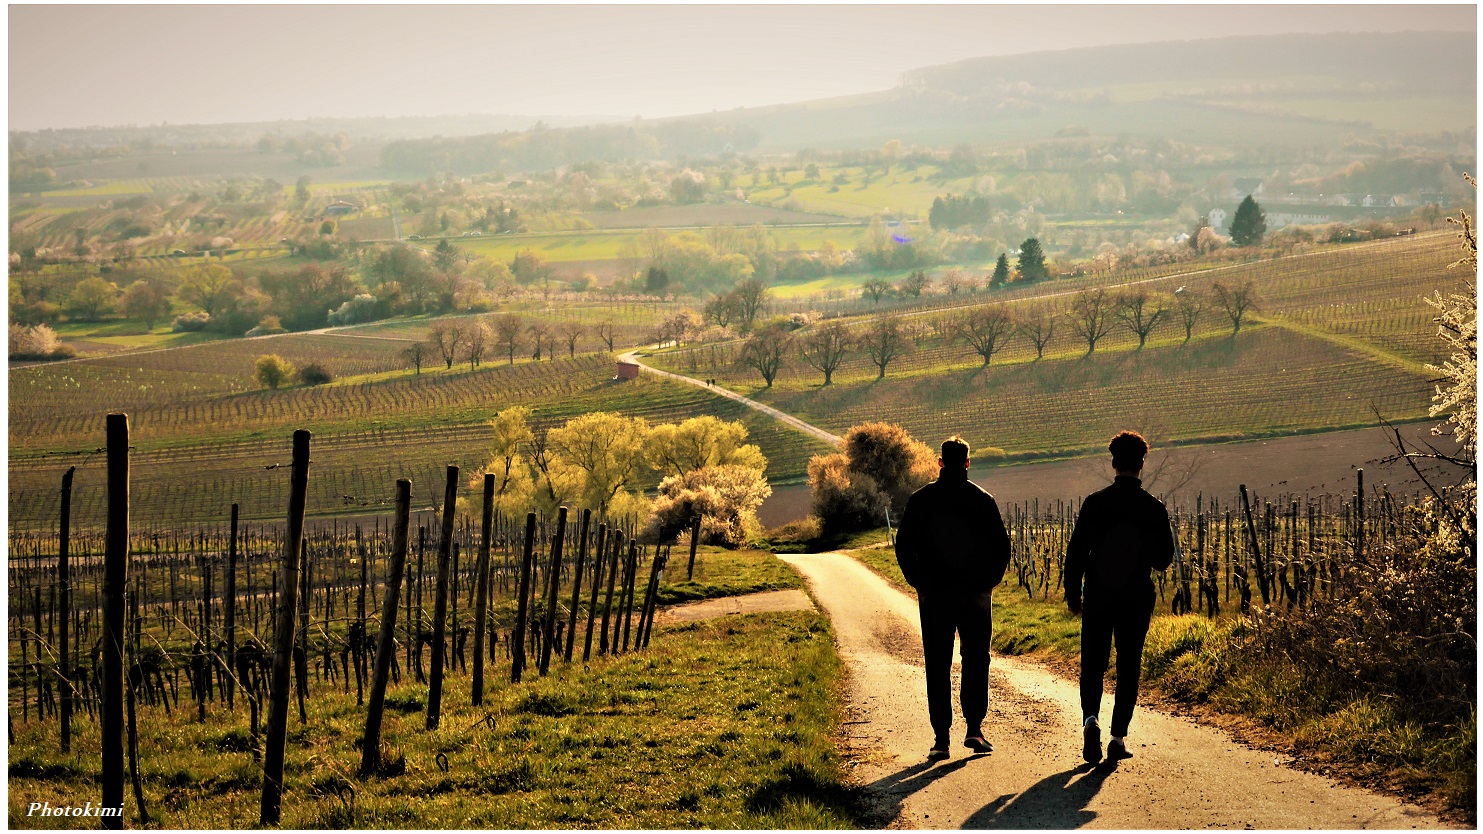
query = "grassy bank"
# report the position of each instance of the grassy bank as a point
(722, 724)
(723, 573)
(1327, 719)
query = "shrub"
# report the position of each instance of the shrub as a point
(273, 370)
(38, 342)
(268, 325)
(314, 374)
(879, 467)
(726, 497)
(190, 322)
(362, 308)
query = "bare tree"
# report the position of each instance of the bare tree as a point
(885, 340)
(1039, 326)
(955, 281)
(478, 342)
(765, 350)
(1188, 307)
(540, 333)
(986, 329)
(751, 295)
(1236, 302)
(1133, 310)
(507, 330)
(825, 348)
(876, 288)
(415, 354)
(445, 338)
(606, 331)
(572, 331)
(1089, 316)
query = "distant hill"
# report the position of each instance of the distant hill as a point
(1281, 89)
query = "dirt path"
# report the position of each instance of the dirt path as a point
(1182, 775)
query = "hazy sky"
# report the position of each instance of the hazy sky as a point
(73, 65)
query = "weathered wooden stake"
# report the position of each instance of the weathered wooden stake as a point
(571, 625)
(358, 650)
(64, 592)
(301, 643)
(616, 544)
(229, 623)
(115, 584)
(1256, 547)
(548, 623)
(481, 590)
(599, 555)
(517, 640)
(694, 543)
(370, 754)
(440, 602)
(283, 635)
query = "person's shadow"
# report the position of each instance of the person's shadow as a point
(1057, 801)
(886, 794)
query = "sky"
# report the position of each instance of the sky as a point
(82, 65)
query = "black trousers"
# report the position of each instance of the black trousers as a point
(944, 614)
(1100, 626)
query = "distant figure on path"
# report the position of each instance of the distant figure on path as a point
(1121, 534)
(953, 548)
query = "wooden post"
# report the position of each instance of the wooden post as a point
(358, 650)
(115, 584)
(229, 623)
(607, 606)
(598, 555)
(517, 647)
(1256, 547)
(481, 589)
(440, 602)
(1359, 517)
(548, 625)
(571, 624)
(283, 636)
(694, 543)
(301, 641)
(64, 592)
(652, 598)
(631, 577)
(370, 754)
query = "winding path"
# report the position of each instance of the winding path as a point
(782, 417)
(1182, 774)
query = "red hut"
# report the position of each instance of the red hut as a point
(627, 370)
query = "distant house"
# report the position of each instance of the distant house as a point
(1277, 220)
(1217, 218)
(627, 370)
(339, 208)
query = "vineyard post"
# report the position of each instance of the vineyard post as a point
(651, 593)
(115, 580)
(440, 602)
(358, 651)
(571, 625)
(598, 555)
(370, 753)
(1256, 546)
(301, 643)
(607, 607)
(631, 582)
(1359, 517)
(517, 640)
(229, 623)
(548, 623)
(283, 635)
(64, 591)
(694, 543)
(481, 590)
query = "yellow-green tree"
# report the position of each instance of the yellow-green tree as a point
(608, 449)
(273, 370)
(681, 448)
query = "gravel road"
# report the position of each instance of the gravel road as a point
(1182, 774)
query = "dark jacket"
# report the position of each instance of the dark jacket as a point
(951, 536)
(1121, 534)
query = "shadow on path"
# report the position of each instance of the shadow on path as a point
(887, 793)
(1057, 801)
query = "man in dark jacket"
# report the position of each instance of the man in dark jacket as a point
(953, 549)
(1121, 534)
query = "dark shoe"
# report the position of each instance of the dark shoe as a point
(1091, 748)
(978, 744)
(1117, 750)
(939, 750)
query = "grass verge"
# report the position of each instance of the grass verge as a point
(728, 723)
(724, 573)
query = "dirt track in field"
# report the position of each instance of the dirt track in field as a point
(1182, 774)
